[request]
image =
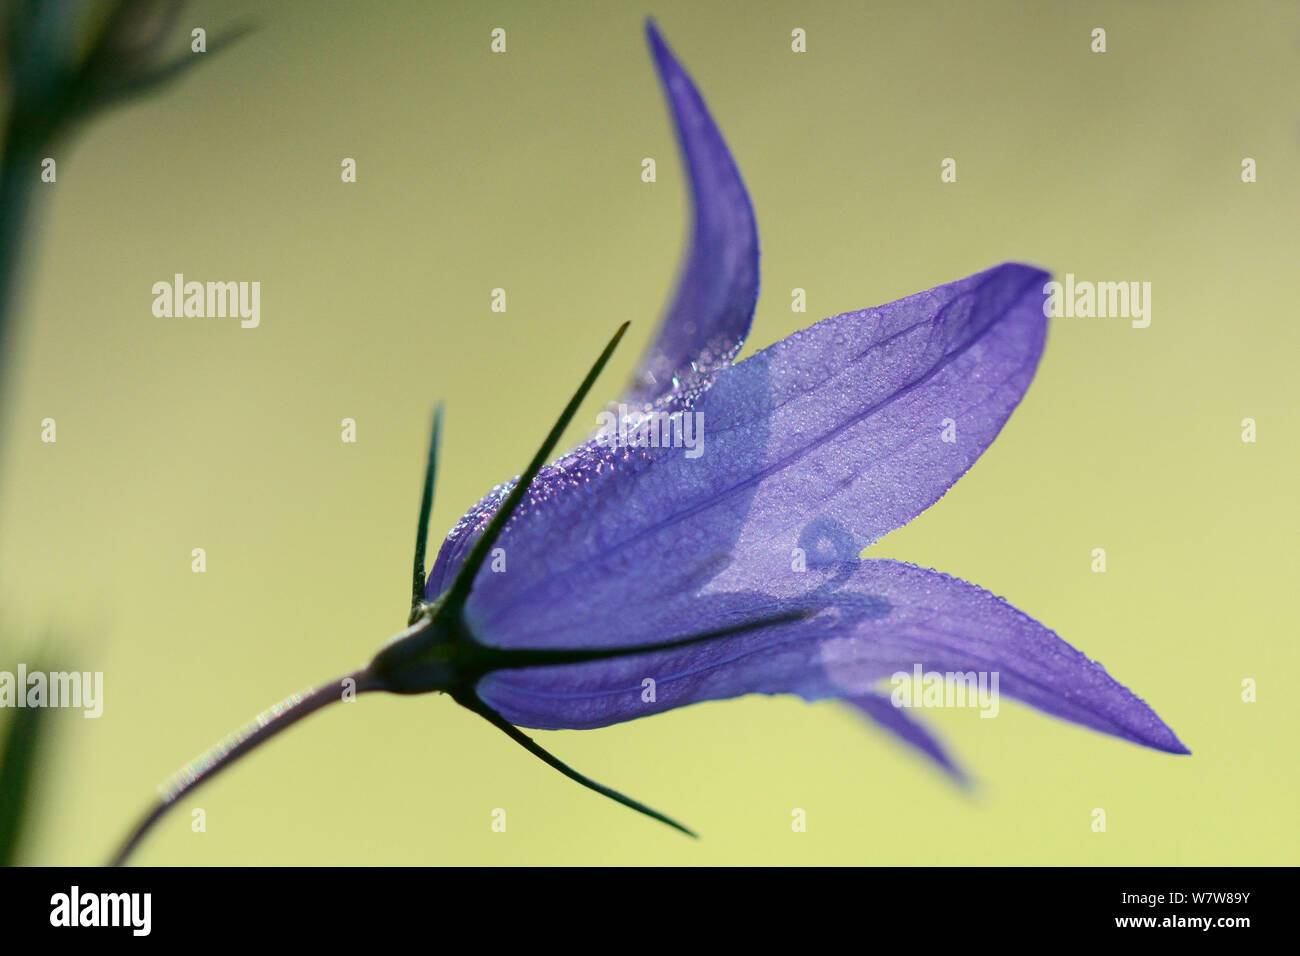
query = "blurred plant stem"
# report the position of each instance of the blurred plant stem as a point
(64, 61)
(16, 182)
(56, 81)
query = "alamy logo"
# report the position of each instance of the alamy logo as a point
(217, 300)
(922, 688)
(652, 430)
(75, 908)
(1098, 300)
(53, 689)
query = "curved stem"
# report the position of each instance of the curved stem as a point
(261, 729)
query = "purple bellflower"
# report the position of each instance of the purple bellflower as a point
(634, 564)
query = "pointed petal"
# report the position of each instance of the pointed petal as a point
(710, 311)
(880, 710)
(811, 450)
(879, 618)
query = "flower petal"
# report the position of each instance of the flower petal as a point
(878, 618)
(812, 449)
(881, 711)
(712, 307)
(710, 312)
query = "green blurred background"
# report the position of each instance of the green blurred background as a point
(522, 171)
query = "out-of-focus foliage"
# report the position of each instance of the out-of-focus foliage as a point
(61, 62)
(24, 734)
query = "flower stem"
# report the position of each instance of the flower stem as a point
(261, 729)
(19, 172)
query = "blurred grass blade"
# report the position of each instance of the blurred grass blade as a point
(25, 734)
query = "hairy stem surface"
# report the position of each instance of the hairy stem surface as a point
(261, 729)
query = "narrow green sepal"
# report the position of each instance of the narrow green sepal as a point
(460, 588)
(426, 508)
(471, 701)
